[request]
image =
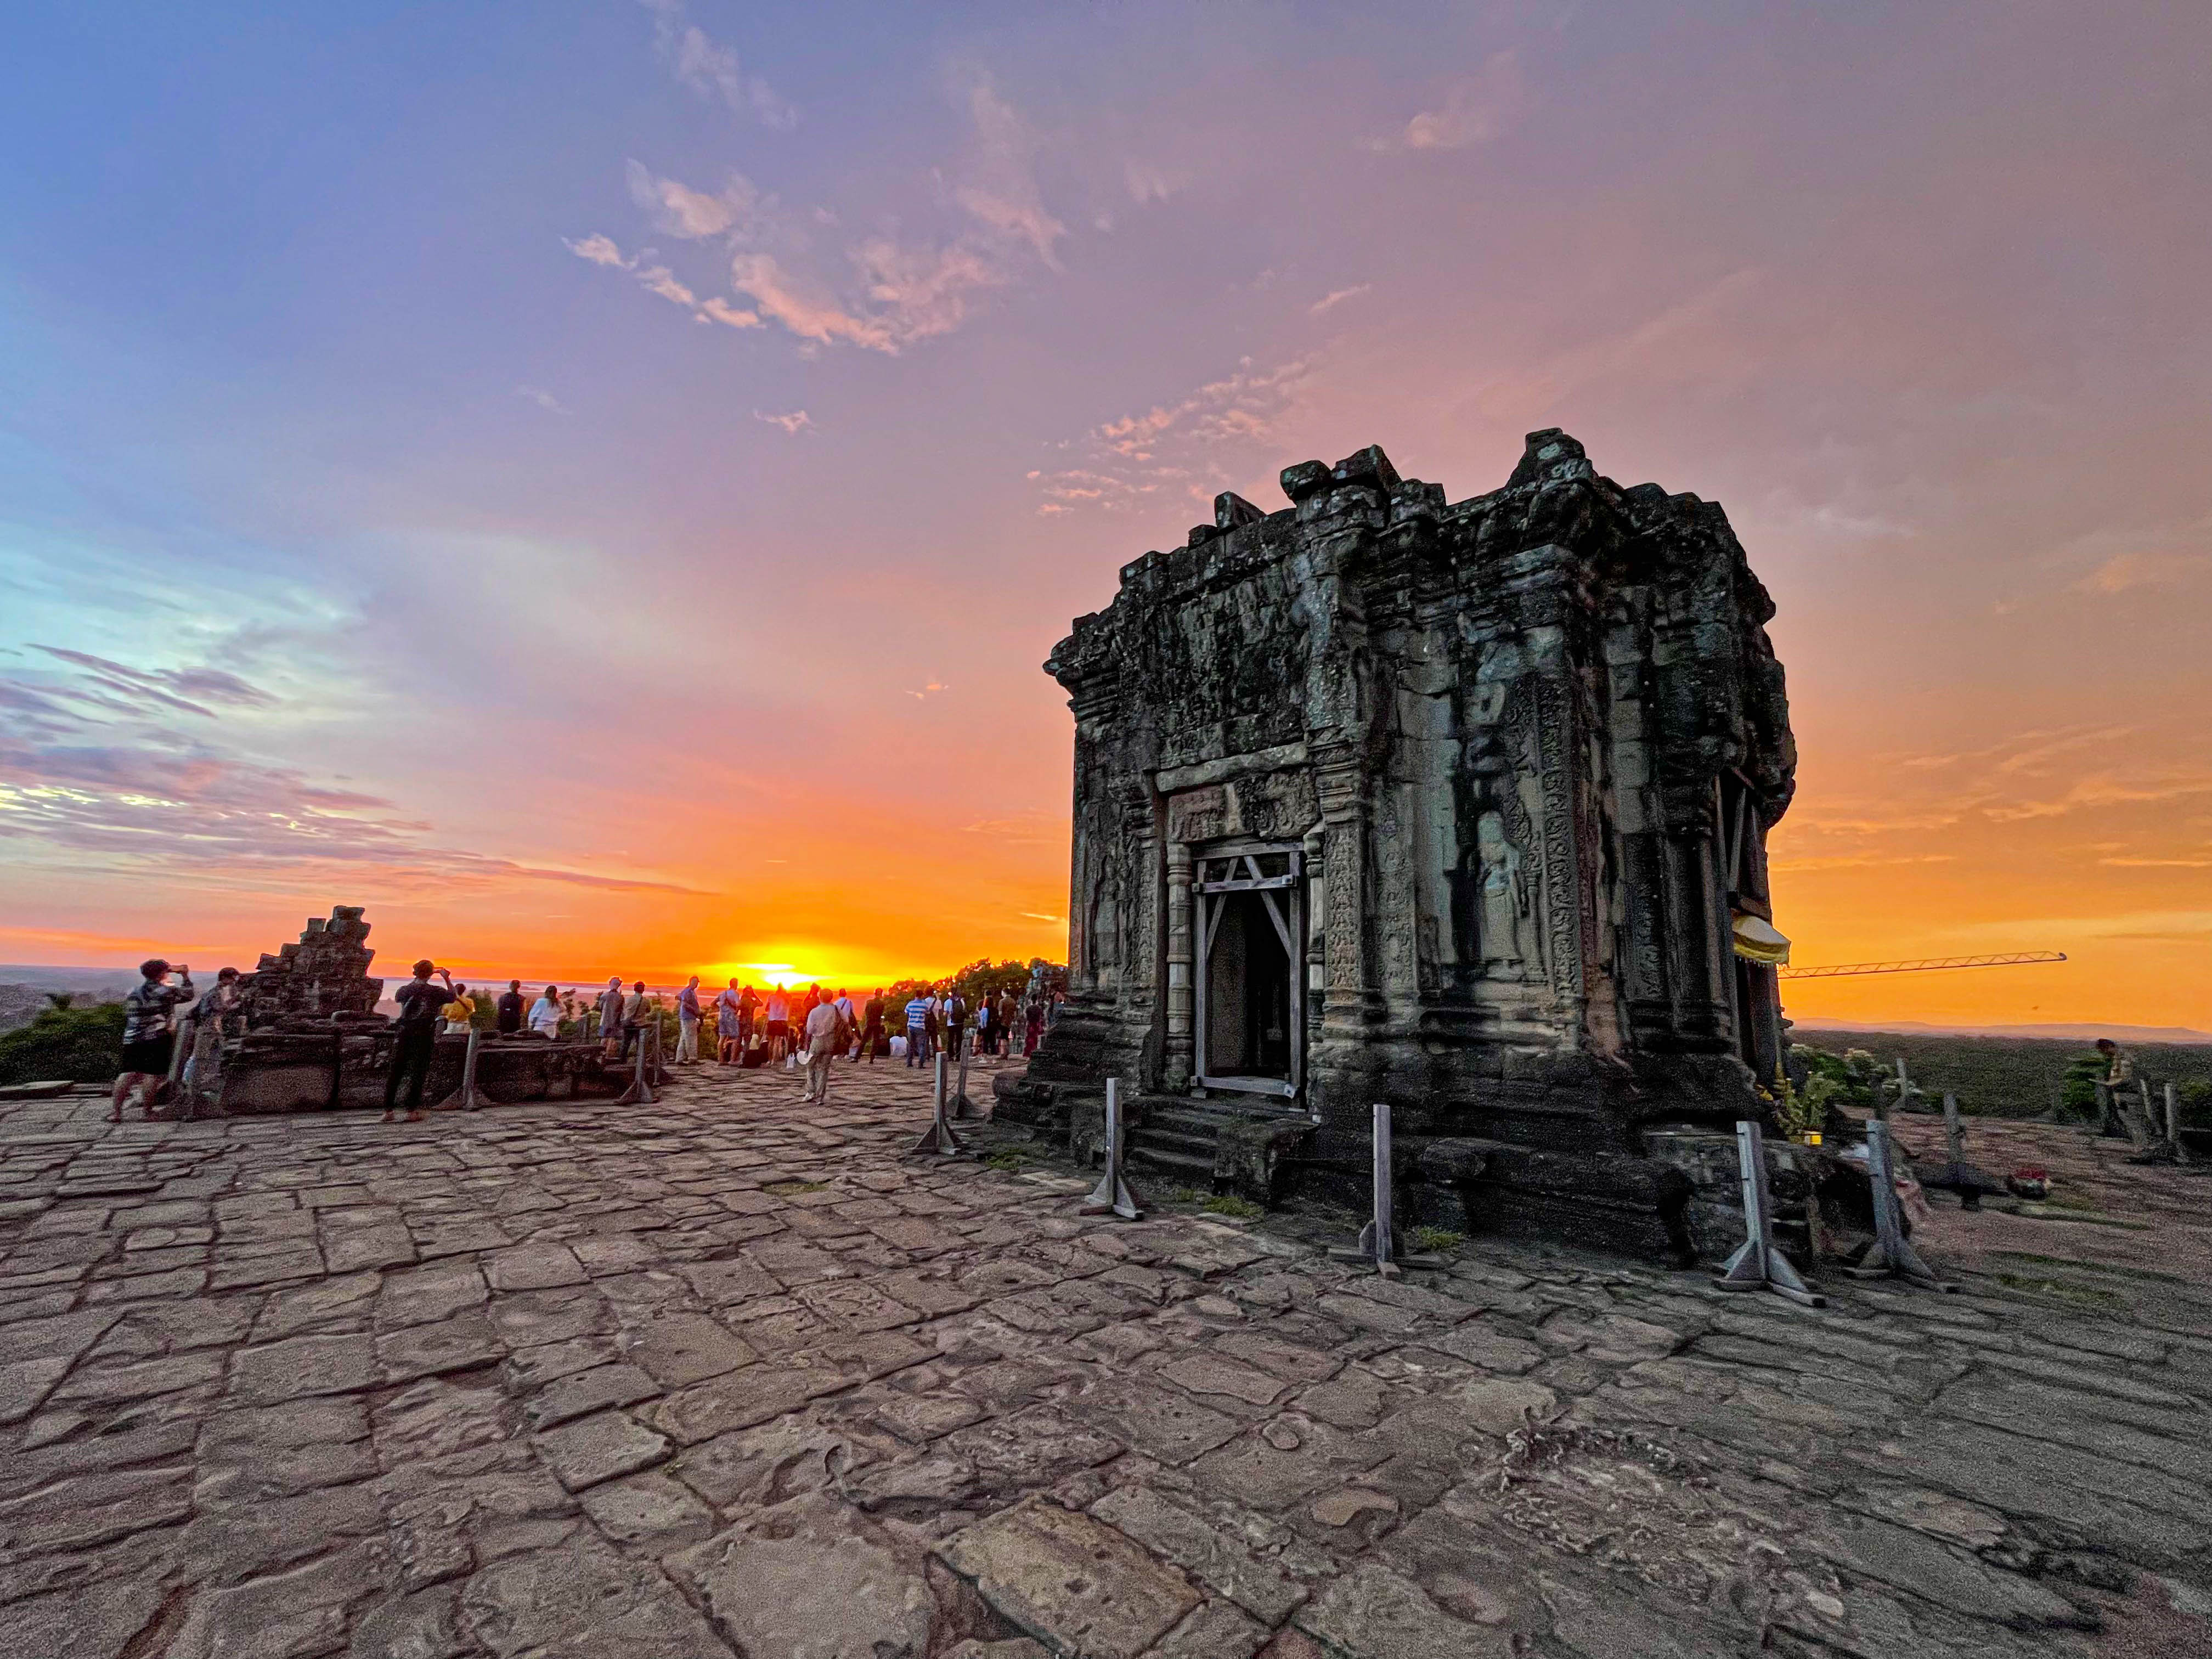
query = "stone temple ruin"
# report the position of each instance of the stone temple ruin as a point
(306, 1035)
(1461, 806)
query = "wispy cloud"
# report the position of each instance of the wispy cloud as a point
(794, 422)
(599, 249)
(542, 398)
(678, 210)
(187, 690)
(1475, 109)
(711, 68)
(882, 290)
(91, 770)
(1181, 445)
(1002, 191)
(1336, 297)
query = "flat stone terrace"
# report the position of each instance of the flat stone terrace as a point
(729, 1374)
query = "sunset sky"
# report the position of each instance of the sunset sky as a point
(594, 482)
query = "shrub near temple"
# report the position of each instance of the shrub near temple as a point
(81, 1044)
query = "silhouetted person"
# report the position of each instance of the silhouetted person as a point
(421, 1003)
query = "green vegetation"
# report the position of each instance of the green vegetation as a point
(1230, 1205)
(1436, 1240)
(84, 1045)
(2062, 1290)
(2013, 1077)
(2195, 1100)
(785, 1189)
(1007, 1158)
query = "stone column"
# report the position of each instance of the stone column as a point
(1352, 997)
(1176, 1061)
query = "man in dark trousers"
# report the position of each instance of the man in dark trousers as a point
(955, 1015)
(420, 1004)
(871, 1027)
(510, 1009)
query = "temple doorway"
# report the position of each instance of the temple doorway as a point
(1250, 1025)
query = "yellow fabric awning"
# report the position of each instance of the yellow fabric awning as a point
(1756, 940)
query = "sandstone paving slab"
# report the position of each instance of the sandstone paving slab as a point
(676, 1346)
(455, 1344)
(583, 1392)
(821, 1581)
(582, 1598)
(1596, 1457)
(1372, 1611)
(305, 1365)
(1214, 1630)
(648, 1509)
(535, 1266)
(1074, 1583)
(1207, 1553)
(1160, 1422)
(594, 1448)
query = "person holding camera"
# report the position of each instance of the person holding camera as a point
(149, 1034)
(421, 1004)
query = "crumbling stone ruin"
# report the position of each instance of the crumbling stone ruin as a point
(1461, 806)
(324, 976)
(307, 1036)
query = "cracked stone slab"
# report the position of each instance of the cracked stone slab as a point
(595, 1449)
(1072, 1582)
(1372, 1611)
(581, 1600)
(812, 1578)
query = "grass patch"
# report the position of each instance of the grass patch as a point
(1435, 1240)
(1182, 1195)
(1006, 1157)
(785, 1189)
(1228, 1204)
(2084, 1296)
(2076, 1265)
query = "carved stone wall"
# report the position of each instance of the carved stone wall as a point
(1507, 734)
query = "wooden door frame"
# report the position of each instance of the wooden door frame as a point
(1241, 872)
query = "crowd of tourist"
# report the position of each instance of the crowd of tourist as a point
(741, 1027)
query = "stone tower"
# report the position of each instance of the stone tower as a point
(1458, 805)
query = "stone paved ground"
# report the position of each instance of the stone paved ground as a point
(729, 1376)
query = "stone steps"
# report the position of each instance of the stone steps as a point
(1182, 1137)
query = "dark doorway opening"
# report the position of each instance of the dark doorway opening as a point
(1247, 982)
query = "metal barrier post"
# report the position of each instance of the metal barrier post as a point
(465, 1098)
(962, 1106)
(1757, 1265)
(639, 1093)
(1378, 1239)
(1892, 1253)
(939, 1137)
(1113, 1195)
(2173, 1126)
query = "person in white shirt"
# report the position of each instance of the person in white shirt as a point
(827, 1033)
(843, 1005)
(545, 1013)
